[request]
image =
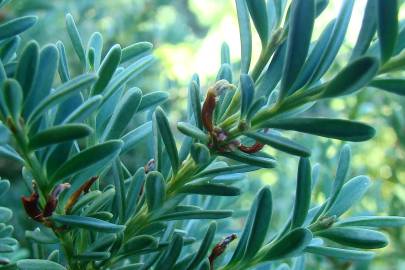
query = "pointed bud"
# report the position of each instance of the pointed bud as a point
(220, 248)
(75, 196)
(30, 204)
(52, 201)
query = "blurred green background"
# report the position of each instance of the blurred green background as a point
(187, 35)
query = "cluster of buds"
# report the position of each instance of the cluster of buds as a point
(220, 248)
(218, 136)
(32, 206)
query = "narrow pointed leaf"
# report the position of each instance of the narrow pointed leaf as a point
(202, 214)
(195, 103)
(291, 245)
(225, 54)
(127, 74)
(200, 154)
(350, 194)
(12, 97)
(36, 264)
(376, 222)
(5, 214)
(107, 69)
(192, 131)
(3, 74)
(4, 187)
(261, 222)
(9, 49)
(87, 223)
(335, 41)
(168, 138)
(61, 94)
(303, 193)
(63, 68)
(273, 73)
(169, 258)
(44, 77)
(395, 86)
(155, 190)
(137, 243)
(133, 137)
(75, 39)
(86, 109)
(99, 202)
(152, 100)
(134, 190)
(352, 78)
(123, 114)
(255, 107)
(119, 203)
(248, 92)
(345, 254)
(331, 128)
(8, 152)
(281, 143)
(211, 189)
(301, 24)
(204, 247)
(101, 153)
(367, 31)
(135, 50)
(253, 160)
(224, 170)
(245, 35)
(313, 59)
(41, 237)
(341, 174)
(258, 12)
(256, 226)
(16, 26)
(59, 134)
(355, 237)
(387, 27)
(133, 266)
(92, 256)
(96, 43)
(102, 243)
(4, 134)
(27, 66)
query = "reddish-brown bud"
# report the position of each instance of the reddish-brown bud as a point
(52, 201)
(31, 206)
(211, 102)
(256, 147)
(75, 196)
(208, 110)
(220, 248)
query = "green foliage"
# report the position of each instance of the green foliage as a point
(76, 138)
